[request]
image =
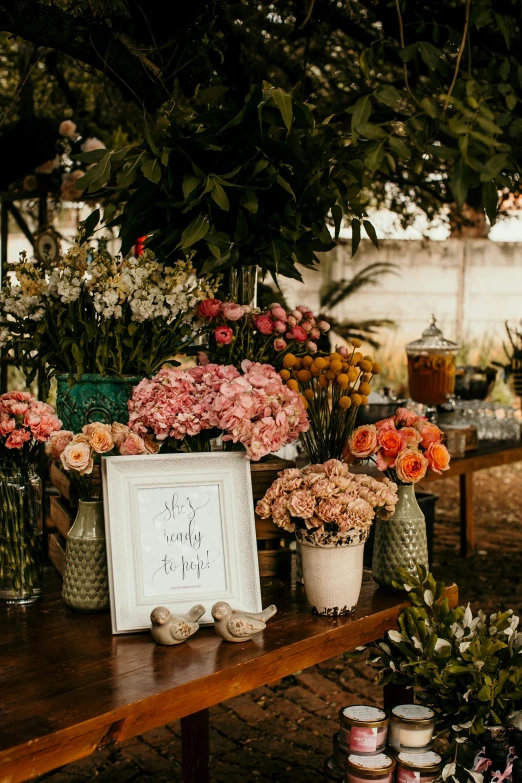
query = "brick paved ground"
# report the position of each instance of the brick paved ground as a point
(283, 732)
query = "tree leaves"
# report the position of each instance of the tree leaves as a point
(194, 232)
(284, 103)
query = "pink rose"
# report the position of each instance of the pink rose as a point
(301, 503)
(315, 333)
(119, 432)
(411, 466)
(280, 344)
(264, 324)
(324, 326)
(311, 346)
(303, 309)
(133, 445)
(429, 433)
(280, 326)
(297, 314)
(223, 335)
(292, 321)
(232, 311)
(385, 424)
(17, 438)
(342, 350)
(306, 326)
(209, 308)
(363, 441)
(411, 436)
(278, 312)
(57, 443)
(405, 417)
(299, 334)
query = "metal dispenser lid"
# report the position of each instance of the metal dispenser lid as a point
(432, 341)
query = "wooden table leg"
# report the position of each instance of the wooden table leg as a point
(396, 694)
(195, 748)
(467, 519)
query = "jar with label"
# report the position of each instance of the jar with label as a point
(330, 773)
(363, 729)
(411, 727)
(340, 754)
(418, 767)
(369, 769)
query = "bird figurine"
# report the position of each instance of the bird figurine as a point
(170, 628)
(234, 625)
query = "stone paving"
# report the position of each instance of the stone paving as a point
(283, 732)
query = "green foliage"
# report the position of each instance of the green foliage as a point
(234, 184)
(469, 669)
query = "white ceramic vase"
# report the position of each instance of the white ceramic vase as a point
(332, 569)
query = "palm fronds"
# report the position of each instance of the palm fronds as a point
(336, 291)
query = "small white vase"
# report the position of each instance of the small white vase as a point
(332, 569)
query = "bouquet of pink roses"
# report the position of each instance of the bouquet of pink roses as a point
(405, 446)
(186, 409)
(80, 454)
(236, 332)
(25, 422)
(327, 498)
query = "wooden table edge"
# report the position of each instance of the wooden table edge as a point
(65, 746)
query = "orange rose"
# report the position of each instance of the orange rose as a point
(430, 433)
(363, 441)
(411, 466)
(100, 437)
(391, 442)
(438, 457)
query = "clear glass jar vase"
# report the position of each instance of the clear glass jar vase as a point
(21, 562)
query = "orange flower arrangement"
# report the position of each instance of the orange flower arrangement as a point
(332, 389)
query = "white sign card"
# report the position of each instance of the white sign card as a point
(180, 531)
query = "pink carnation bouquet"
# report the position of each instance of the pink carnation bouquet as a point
(327, 498)
(25, 422)
(236, 332)
(404, 446)
(186, 409)
(80, 454)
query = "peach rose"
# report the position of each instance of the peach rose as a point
(411, 466)
(119, 432)
(391, 442)
(438, 457)
(363, 441)
(57, 442)
(411, 436)
(77, 456)
(132, 445)
(99, 436)
(429, 433)
(405, 417)
(385, 424)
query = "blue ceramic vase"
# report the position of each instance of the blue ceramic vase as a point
(94, 398)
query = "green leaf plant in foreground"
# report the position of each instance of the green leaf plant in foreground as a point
(467, 668)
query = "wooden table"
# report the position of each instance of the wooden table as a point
(488, 455)
(68, 687)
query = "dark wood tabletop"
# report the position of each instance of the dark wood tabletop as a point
(68, 687)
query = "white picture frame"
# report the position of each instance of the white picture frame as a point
(180, 531)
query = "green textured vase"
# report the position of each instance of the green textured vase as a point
(85, 581)
(94, 398)
(400, 541)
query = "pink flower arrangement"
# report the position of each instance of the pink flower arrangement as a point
(405, 445)
(264, 336)
(24, 423)
(252, 407)
(326, 497)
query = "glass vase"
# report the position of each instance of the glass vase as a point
(242, 285)
(21, 562)
(400, 541)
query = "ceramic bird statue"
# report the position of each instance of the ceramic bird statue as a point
(234, 625)
(170, 628)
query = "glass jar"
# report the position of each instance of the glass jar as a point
(369, 769)
(418, 767)
(330, 773)
(411, 727)
(363, 729)
(431, 367)
(340, 754)
(21, 562)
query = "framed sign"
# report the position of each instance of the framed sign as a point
(180, 531)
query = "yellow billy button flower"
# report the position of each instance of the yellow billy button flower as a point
(356, 399)
(298, 364)
(364, 388)
(307, 362)
(365, 365)
(356, 358)
(309, 394)
(304, 375)
(334, 356)
(368, 358)
(376, 368)
(289, 360)
(284, 374)
(345, 367)
(356, 343)
(344, 402)
(336, 365)
(305, 401)
(366, 378)
(330, 375)
(323, 381)
(292, 384)
(343, 380)
(364, 399)
(352, 374)
(319, 363)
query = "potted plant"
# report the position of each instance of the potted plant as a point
(467, 668)
(99, 324)
(331, 511)
(404, 447)
(25, 423)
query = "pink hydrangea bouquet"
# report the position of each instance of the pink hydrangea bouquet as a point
(404, 446)
(80, 454)
(186, 409)
(236, 332)
(25, 422)
(327, 498)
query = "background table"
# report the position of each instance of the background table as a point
(68, 687)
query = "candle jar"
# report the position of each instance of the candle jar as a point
(418, 767)
(411, 727)
(330, 773)
(363, 729)
(340, 754)
(369, 769)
